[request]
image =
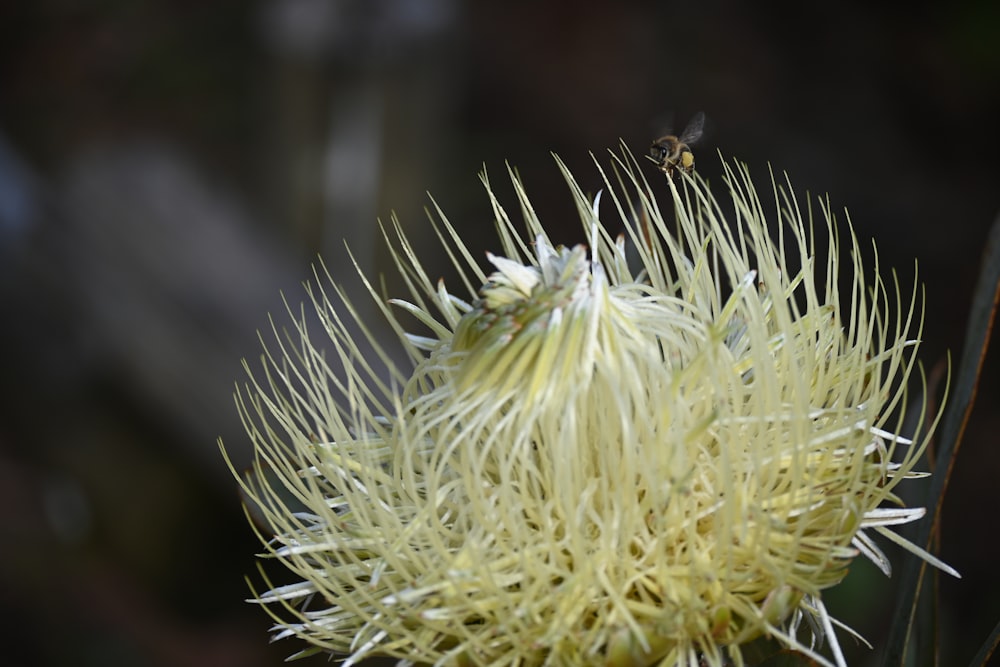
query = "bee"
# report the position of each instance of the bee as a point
(671, 152)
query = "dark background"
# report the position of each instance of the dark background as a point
(167, 168)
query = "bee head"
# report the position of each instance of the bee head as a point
(658, 152)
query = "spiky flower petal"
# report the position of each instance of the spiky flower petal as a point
(648, 452)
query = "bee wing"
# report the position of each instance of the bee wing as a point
(694, 129)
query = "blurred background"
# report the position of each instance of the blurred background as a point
(168, 169)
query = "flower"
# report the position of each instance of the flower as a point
(649, 453)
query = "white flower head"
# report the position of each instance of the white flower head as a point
(648, 450)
